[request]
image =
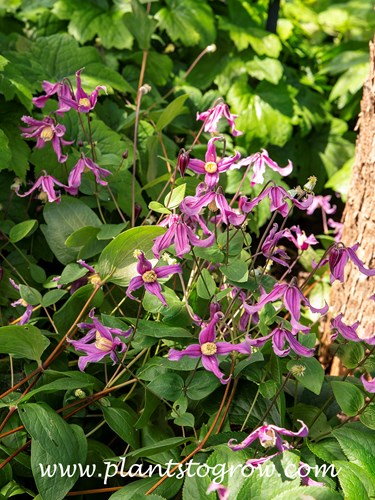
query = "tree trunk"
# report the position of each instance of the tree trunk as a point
(352, 297)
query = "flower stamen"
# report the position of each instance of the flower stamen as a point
(210, 167)
(208, 348)
(149, 276)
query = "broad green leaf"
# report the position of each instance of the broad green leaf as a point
(137, 489)
(140, 25)
(340, 181)
(349, 397)
(161, 331)
(354, 481)
(351, 81)
(22, 230)
(38, 274)
(30, 295)
(62, 220)
(54, 442)
(174, 109)
(185, 420)
(206, 285)
(158, 208)
(71, 273)
(327, 450)
(52, 297)
(351, 354)
(168, 386)
(310, 492)
(81, 236)
(235, 271)
(202, 384)
(312, 377)
(265, 69)
(122, 421)
(190, 21)
(117, 262)
(358, 446)
(368, 416)
(172, 200)
(22, 342)
(110, 231)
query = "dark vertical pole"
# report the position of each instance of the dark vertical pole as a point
(273, 14)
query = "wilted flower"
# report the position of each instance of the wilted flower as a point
(212, 167)
(259, 161)
(21, 302)
(292, 298)
(269, 436)
(181, 233)
(107, 341)
(209, 350)
(148, 277)
(212, 116)
(281, 336)
(46, 185)
(85, 165)
(46, 130)
(82, 102)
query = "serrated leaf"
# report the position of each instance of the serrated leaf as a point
(117, 262)
(368, 416)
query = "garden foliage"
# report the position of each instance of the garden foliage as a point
(160, 165)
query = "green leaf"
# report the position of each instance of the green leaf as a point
(190, 21)
(37, 273)
(312, 377)
(202, 384)
(349, 397)
(185, 420)
(351, 354)
(172, 200)
(110, 231)
(117, 261)
(165, 445)
(30, 295)
(137, 489)
(368, 416)
(174, 109)
(236, 271)
(358, 446)
(54, 442)
(206, 286)
(23, 342)
(354, 481)
(168, 386)
(52, 297)
(22, 230)
(81, 236)
(140, 25)
(311, 492)
(72, 272)
(327, 450)
(265, 69)
(340, 181)
(122, 421)
(62, 220)
(161, 331)
(158, 208)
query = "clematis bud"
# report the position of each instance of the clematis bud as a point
(183, 161)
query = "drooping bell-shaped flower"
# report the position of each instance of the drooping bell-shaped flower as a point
(259, 161)
(212, 116)
(81, 101)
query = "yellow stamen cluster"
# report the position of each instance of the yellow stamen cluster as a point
(298, 370)
(208, 349)
(149, 276)
(85, 102)
(210, 167)
(102, 343)
(47, 134)
(269, 443)
(212, 206)
(95, 279)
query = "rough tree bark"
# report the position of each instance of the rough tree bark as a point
(352, 297)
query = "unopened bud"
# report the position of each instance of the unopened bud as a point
(183, 161)
(137, 210)
(125, 154)
(16, 184)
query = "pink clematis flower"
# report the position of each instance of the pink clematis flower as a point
(107, 341)
(46, 185)
(259, 161)
(46, 130)
(212, 167)
(301, 241)
(82, 102)
(348, 331)
(338, 228)
(292, 298)
(148, 277)
(21, 302)
(339, 256)
(181, 231)
(269, 249)
(278, 196)
(208, 350)
(215, 201)
(369, 385)
(222, 491)
(269, 436)
(85, 165)
(212, 116)
(323, 202)
(62, 90)
(281, 336)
